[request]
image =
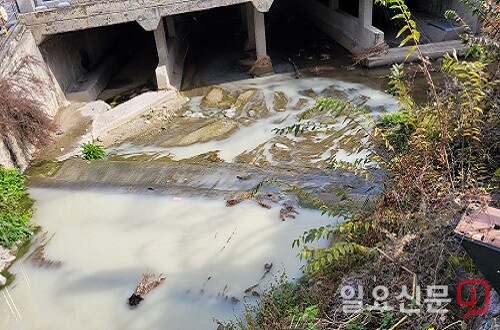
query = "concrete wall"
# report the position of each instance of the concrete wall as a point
(14, 152)
(71, 55)
(346, 29)
(439, 7)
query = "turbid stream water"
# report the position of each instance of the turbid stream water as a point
(209, 253)
(249, 129)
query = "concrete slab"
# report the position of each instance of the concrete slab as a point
(433, 51)
(105, 121)
(213, 179)
(126, 111)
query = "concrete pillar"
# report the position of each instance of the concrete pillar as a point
(26, 6)
(366, 12)
(334, 4)
(249, 14)
(162, 78)
(170, 26)
(260, 34)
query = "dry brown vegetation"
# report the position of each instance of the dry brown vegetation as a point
(22, 116)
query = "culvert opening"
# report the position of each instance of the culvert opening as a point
(108, 63)
(218, 38)
(137, 74)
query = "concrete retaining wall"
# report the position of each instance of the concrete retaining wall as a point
(439, 7)
(347, 30)
(21, 46)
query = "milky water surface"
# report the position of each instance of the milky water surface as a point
(105, 241)
(262, 131)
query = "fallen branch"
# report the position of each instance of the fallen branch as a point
(148, 282)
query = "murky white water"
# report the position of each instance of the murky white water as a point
(107, 240)
(249, 138)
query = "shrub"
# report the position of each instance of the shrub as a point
(92, 150)
(15, 208)
(397, 128)
(20, 115)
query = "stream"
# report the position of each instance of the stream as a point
(209, 253)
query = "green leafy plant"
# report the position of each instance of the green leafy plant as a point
(15, 208)
(92, 150)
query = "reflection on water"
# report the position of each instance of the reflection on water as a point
(208, 252)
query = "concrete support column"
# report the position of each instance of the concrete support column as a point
(260, 34)
(334, 4)
(162, 78)
(249, 14)
(26, 6)
(366, 12)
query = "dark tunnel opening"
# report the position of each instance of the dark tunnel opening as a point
(108, 63)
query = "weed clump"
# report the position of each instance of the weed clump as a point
(15, 208)
(92, 151)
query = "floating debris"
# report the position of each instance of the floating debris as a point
(238, 199)
(251, 288)
(259, 200)
(38, 257)
(148, 282)
(268, 268)
(288, 211)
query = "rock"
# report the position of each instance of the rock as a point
(309, 93)
(301, 103)
(257, 106)
(3, 280)
(217, 98)
(360, 100)
(262, 67)
(217, 130)
(6, 258)
(335, 93)
(280, 101)
(243, 99)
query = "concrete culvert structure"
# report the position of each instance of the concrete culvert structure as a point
(85, 62)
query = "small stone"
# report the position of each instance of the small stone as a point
(188, 113)
(251, 113)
